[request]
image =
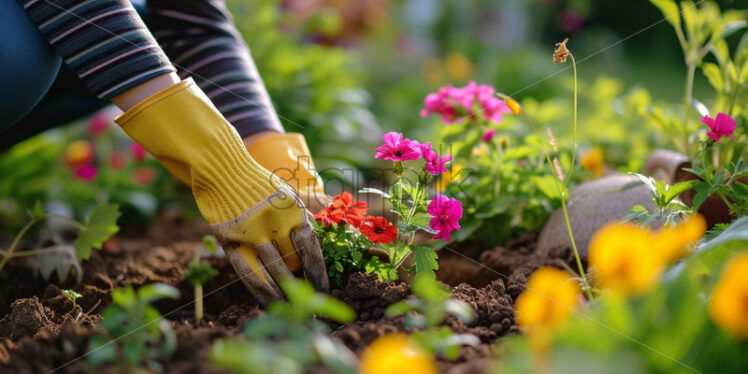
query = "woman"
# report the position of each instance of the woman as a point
(194, 100)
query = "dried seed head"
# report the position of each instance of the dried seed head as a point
(557, 169)
(552, 140)
(561, 53)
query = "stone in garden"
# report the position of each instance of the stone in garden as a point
(592, 205)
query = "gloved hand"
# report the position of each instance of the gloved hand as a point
(260, 222)
(288, 157)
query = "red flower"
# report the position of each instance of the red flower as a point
(117, 160)
(343, 209)
(378, 230)
(143, 175)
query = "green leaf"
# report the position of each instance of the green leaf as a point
(100, 350)
(100, 225)
(374, 191)
(199, 273)
(675, 190)
(72, 294)
(210, 243)
(547, 185)
(152, 292)
(670, 10)
(302, 297)
(714, 75)
(703, 190)
(400, 308)
(638, 214)
(383, 270)
(424, 260)
(38, 211)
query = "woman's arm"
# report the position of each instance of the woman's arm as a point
(201, 40)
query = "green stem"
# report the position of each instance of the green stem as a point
(67, 220)
(576, 251)
(574, 132)
(687, 99)
(198, 304)
(16, 240)
(563, 205)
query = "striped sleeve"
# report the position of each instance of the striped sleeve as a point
(104, 42)
(201, 40)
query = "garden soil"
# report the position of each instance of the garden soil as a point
(41, 331)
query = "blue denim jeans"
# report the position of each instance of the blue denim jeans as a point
(37, 92)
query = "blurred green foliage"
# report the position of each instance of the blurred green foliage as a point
(289, 339)
(316, 89)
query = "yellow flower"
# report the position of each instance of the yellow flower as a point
(729, 304)
(674, 242)
(549, 300)
(79, 152)
(432, 71)
(396, 354)
(479, 150)
(448, 177)
(593, 160)
(623, 260)
(458, 66)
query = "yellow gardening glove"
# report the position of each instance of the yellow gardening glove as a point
(288, 157)
(260, 222)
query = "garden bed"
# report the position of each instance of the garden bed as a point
(40, 331)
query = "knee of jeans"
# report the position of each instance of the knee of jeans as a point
(28, 64)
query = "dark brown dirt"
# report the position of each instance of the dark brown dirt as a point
(40, 330)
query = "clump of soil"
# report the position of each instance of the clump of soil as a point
(41, 331)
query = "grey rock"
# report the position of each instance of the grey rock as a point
(592, 205)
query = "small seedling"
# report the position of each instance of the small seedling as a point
(199, 273)
(134, 329)
(426, 310)
(73, 296)
(96, 228)
(664, 196)
(288, 339)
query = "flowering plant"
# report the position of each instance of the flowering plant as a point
(498, 170)
(346, 233)
(347, 228)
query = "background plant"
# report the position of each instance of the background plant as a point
(289, 339)
(426, 310)
(200, 272)
(136, 335)
(97, 227)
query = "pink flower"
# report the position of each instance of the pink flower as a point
(448, 102)
(138, 152)
(488, 135)
(86, 172)
(434, 163)
(456, 104)
(570, 21)
(491, 106)
(447, 213)
(723, 125)
(97, 125)
(396, 148)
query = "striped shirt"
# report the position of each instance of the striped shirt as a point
(109, 47)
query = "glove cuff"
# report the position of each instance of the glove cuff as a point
(182, 129)
(288, 157)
